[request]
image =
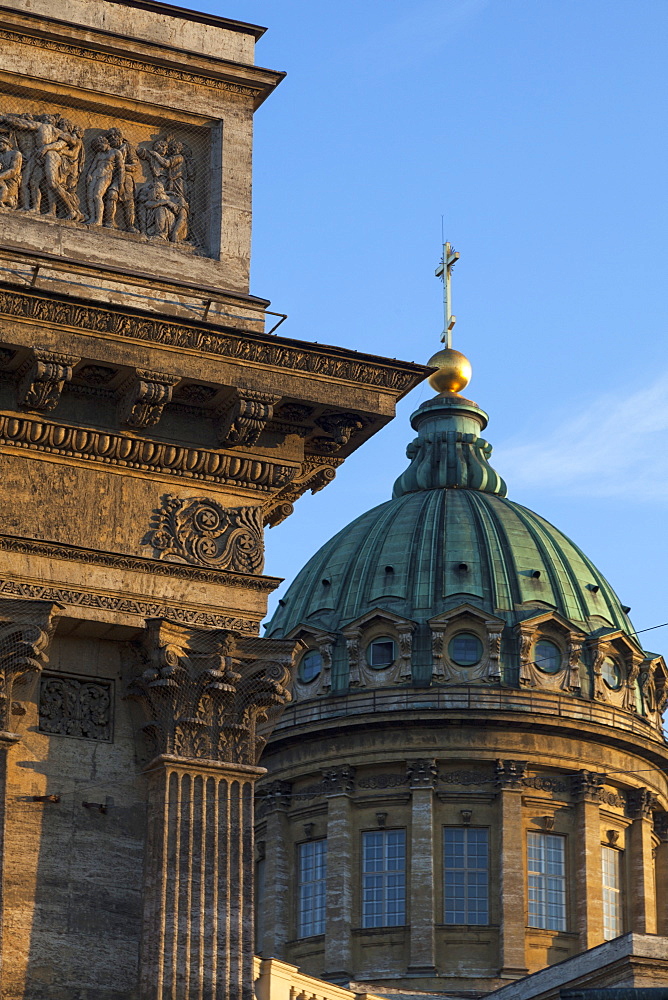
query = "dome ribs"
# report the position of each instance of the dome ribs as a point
(496, 553)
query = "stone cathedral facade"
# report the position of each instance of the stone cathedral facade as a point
(152, 424)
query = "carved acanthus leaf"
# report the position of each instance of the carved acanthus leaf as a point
(25, 632)
(587, 785)
(205, 693)
(422, 773)
(510, 773)
(315, 474)
(143, 397)
(204, 533)
(42, 378)
(245, 416)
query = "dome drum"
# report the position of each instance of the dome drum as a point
(471, 701)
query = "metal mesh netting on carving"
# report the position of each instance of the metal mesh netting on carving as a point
(25, 633)
(146, 178)
(211, 694)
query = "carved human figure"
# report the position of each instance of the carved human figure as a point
(181, 171)
(166, 215)
(73, 157)
(106, 167)
(156, 158)
(44, 168)
(122, 190)
(11, 162)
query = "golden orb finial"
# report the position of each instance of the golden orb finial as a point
(454, 371)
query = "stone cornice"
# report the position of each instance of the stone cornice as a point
(70, 553)
(111, 602)
(141, 454)
(156, 59)
(261, 350)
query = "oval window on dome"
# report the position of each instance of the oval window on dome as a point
(310, 666)
(547, 656)
(465, 649)
(381, 653)
(611, 674)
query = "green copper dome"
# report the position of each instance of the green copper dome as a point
(448, 536)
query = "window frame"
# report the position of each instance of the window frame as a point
(315, 903)
(466, 869)
(540, 881)
(379, 639)
(385, 877)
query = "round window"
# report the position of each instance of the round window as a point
(465, 649)
(381, 653)
(611, 674)
(547, 656)
(310, 666)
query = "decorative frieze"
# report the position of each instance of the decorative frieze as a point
(128, 606)
(245, 416)
(205, 339)
(76, 706)
(204, 694)
(89, 557)
(143, 397)
(25, 632)
(100, 57)
(203, 532)
(464, 777)
(42, 378)
(137, 453)
(50, 168)
(384, 781)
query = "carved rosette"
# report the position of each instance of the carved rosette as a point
(42, 379)
(245, 417)
(143, 397)
(211, 695)
(25, 633)
(422, 773)
(204, 533)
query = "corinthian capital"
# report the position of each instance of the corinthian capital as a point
(211, 695)
(25, 632)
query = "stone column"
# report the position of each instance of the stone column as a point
(204, 694)
(512, 960)
(25, 633)
(640, 863)
(422, 775)
(276, 799)
(586, 789)
(339, 785)
(661, 830)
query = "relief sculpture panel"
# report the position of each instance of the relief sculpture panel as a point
(131, 178)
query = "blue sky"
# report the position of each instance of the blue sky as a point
(537, 128)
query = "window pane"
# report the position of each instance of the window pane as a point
(612, 892)
(311, 888)
(546, 881)
(384, 878)
(466, 875)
